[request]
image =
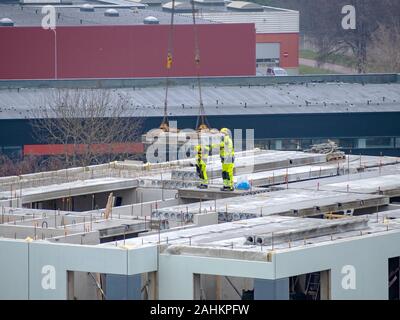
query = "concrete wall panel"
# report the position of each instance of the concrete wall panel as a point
(345, 259)
(53, 260)
(177, 272)
(142, 260)
(14, 280)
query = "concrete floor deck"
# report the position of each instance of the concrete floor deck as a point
(230, 240)
(68, 226)
(387, 185)
(369, 181)
(68, 189)
(285, 202)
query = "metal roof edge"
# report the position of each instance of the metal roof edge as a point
(226, 81)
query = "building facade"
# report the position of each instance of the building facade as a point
(97, 40)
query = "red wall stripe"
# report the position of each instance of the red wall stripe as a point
(59, 149)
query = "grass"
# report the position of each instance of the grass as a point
(311, 70)
(308, 54)
(334, 58)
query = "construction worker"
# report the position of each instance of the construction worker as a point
(227, 154)
(202, 152)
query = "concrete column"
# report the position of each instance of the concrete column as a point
(153, 285)
(175, 281)
(70, 285)
(325, 286)
(196, 287)
(217, 287)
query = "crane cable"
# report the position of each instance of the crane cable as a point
(201, 122)
(165, 123)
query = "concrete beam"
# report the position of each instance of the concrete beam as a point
(326, 227)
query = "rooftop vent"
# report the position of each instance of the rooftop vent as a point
(182, 7)
(6, 22)
(87, 8)
(244, 6)
(151, 20)
(111, 13)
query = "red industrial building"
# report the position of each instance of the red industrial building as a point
(277, 32)
(95, 45)
(288, 48)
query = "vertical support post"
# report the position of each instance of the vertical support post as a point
(287, 178)
(70, 285)
(141, 205)
(218, 288)
(348, 165)
(325, 285)
(152, 279)
(196, 286)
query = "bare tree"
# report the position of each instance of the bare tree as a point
(89, 123)
(320, 21)
(384, 55)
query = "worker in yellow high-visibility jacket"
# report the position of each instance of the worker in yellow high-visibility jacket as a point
(202, 152)
(227, 154)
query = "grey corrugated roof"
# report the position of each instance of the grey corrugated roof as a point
(232, 100)
(72, 16)
(265, 22)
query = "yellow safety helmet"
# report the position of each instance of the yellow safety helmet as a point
(225, 131)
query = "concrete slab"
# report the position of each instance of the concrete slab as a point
(270, 160)
(69, 189)
(387, 185)
(230, 240)
(285, 202)
(373, 172)
(60, 226)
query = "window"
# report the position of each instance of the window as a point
(379, 142)
(13, 152)
(397, 142)
(310, 286)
